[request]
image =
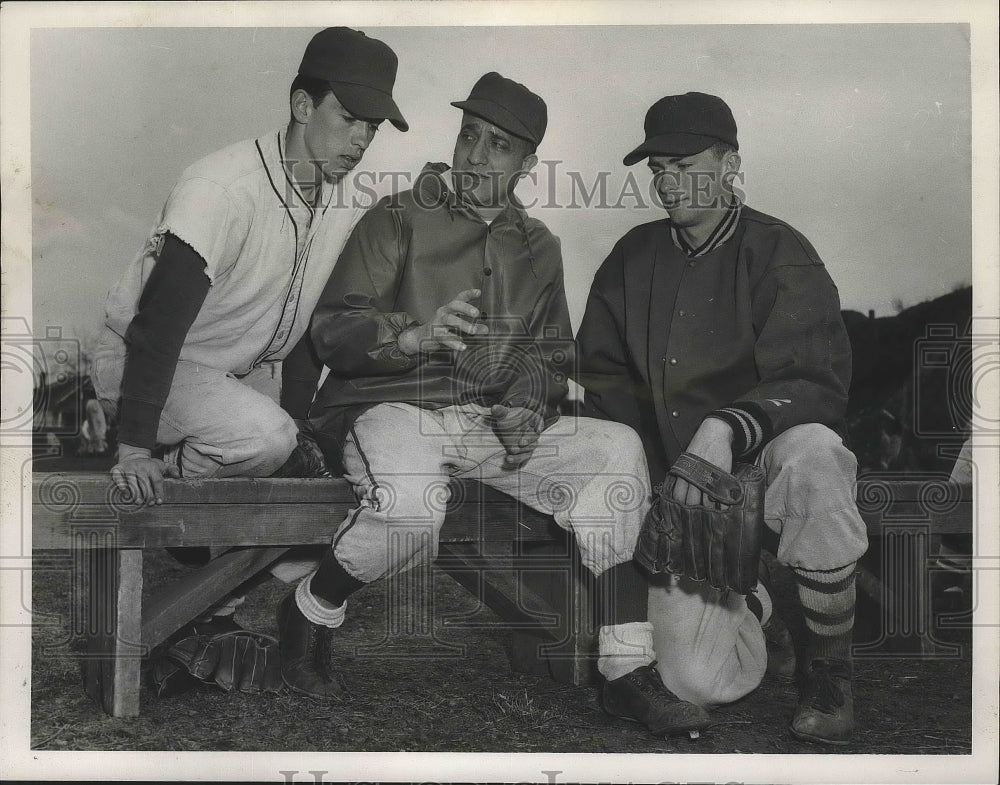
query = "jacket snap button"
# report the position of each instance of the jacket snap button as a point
(487, 271)
(673, 361)
(675, 413)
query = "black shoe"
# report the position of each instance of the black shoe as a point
(305, 653)
(641, 696)
(826, 710)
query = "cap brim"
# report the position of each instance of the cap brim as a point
(670, 144)
(369, 104)
(498, 115)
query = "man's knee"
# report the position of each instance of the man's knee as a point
(623, 438)
(812, 451)
(275, 445)
(695, 681)
(245, 448)
(610, 443)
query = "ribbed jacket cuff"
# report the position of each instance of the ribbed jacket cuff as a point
(751, 426)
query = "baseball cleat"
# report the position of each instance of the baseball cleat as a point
(826, 710)
(641, 696)
(305, 653)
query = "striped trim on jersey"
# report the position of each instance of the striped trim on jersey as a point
(720, 234)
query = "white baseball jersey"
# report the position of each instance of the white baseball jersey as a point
(268, 254)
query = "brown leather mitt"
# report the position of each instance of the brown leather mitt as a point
(240, 660)
(702, 542)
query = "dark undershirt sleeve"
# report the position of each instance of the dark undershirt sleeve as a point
(168, 306)
(300, 372)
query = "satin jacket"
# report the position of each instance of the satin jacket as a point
(409, 255)
(752, 328)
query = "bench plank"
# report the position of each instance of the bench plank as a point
(61, 489)
(197, 512)
(189, 596)
(228, 525)
(247, 511)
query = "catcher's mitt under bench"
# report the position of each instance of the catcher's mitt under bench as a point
(517, 561)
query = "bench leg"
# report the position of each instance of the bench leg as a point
(113, 621)
(553, 571)
(547, 605)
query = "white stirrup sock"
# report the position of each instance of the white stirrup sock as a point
(764, 601)
(317, 610)
(621, 648)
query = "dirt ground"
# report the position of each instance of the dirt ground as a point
(454, 691)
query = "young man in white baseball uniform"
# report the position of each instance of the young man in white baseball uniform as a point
(226, 284)
(228, 279)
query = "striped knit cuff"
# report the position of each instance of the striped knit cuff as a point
(751, 426)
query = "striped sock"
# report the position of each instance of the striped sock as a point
(827, 598)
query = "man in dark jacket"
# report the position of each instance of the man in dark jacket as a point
(446, 332)
(717, 332)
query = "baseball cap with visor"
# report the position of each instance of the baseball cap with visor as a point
(360, 70)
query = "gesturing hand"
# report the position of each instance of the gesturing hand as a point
(451, 321)
(140, 475)
(517, 429)
(713, 441)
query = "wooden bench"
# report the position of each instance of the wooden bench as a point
(517, 561)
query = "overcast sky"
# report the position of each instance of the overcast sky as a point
(857, 135)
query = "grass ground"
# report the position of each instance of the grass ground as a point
(453, 690)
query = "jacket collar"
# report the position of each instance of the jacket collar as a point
(434, 188)
(723, 231)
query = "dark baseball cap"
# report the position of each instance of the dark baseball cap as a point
(685, 125)
(508, 105)
(361, 71)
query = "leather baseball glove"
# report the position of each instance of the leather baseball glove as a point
(236, 660)
(709, 543)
